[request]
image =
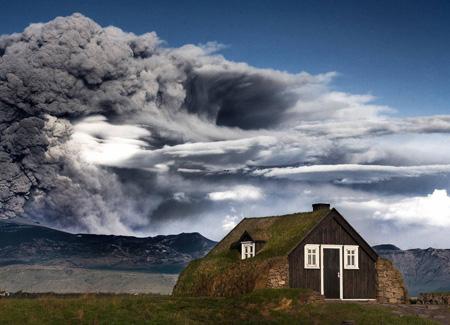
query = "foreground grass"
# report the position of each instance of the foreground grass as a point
(261, 307)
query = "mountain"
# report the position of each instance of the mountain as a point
(29, 244)
(36, 258)
(424, 270)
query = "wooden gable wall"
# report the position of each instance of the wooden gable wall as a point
(358, 284)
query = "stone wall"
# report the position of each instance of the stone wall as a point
(390, 286)
(278, 276)
(434, 298)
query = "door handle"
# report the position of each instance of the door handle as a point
(339, 274)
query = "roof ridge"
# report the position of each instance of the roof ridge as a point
(281, 215)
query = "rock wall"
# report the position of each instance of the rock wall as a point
(434, 298)
(278, 276)
(424, 270)
(390, 286)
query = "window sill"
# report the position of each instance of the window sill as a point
(312, 267)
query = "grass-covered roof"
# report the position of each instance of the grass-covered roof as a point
(281, 233)
(222, 272)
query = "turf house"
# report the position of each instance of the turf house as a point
(318, 250)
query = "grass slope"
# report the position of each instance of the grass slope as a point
(260, 307)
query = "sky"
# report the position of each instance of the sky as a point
(145, 118)
(394, 50)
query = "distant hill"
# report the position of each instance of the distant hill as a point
(424, 270)
(36, 245)
(386, 247)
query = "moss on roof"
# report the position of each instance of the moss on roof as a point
(281, 233)
(222, 272)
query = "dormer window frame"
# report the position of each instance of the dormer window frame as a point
(248, 249)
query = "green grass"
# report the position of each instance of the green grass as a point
(286, 232)
(261, 307)
(281, 233)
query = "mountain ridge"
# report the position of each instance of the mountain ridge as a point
(30, 244)
(25, 246)
(424, 270)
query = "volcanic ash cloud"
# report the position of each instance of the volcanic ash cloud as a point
(109, 132)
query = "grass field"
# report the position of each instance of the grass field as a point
(261, 307)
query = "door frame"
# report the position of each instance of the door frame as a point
(341, 273)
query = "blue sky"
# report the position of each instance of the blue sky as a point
(395, 50)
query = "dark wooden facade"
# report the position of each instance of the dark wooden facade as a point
(335, 230)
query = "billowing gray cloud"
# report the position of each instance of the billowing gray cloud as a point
(107, 131)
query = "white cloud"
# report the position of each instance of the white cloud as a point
(181, 197)
(110, 152)
(229, 222)
(432, 210)
(217, 147)
(98, 125)
(107, 144)
(351, 173)
(350, 126)
(237, 193)
(190, 170)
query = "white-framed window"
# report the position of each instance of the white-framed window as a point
(312, 256)
(351, 257)
(247, 249)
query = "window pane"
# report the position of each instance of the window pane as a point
(314, 259)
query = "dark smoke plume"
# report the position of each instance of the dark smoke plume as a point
(53, 74)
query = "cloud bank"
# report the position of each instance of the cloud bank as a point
(432, 209)
(238, 193)
(109, 132)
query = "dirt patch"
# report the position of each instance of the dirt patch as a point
(285, 304)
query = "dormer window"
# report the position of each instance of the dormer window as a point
(247, 249)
